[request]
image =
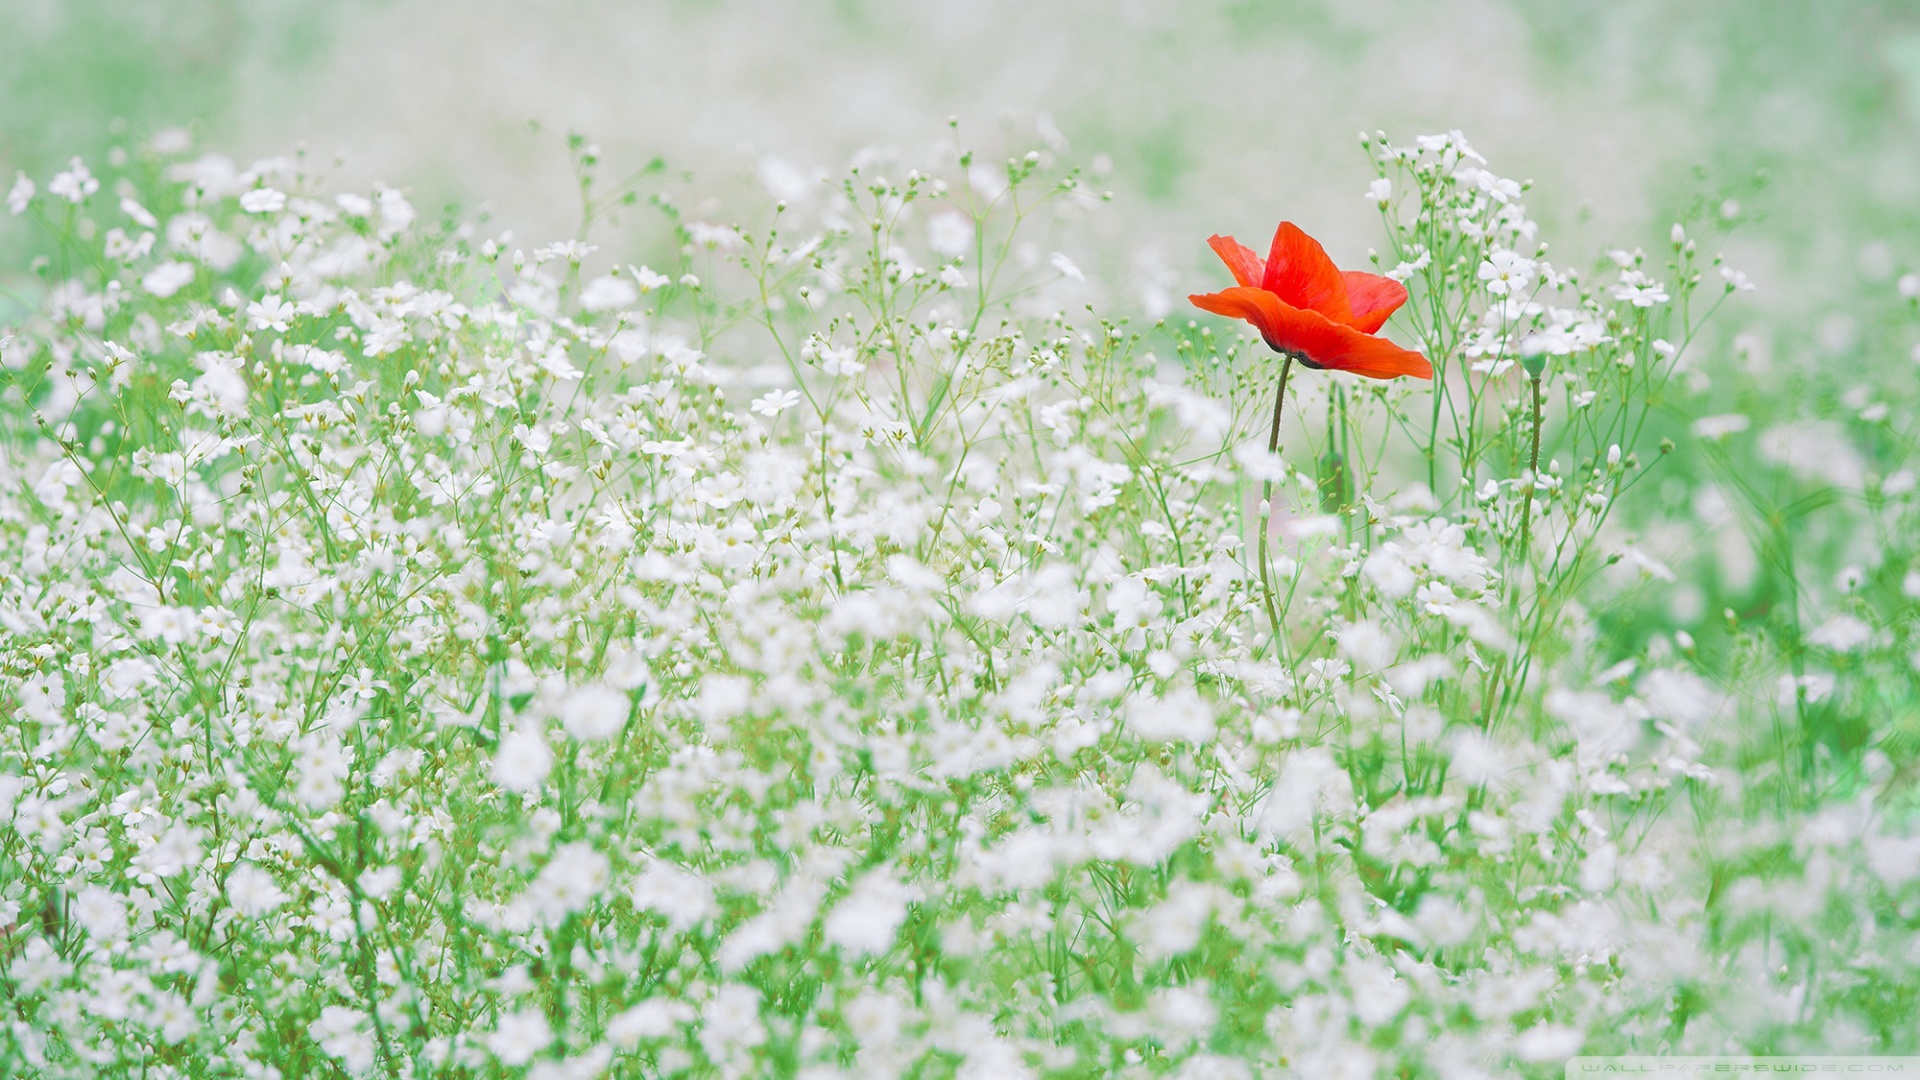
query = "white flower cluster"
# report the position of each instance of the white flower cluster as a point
(428, 660)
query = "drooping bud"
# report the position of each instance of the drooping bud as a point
(1534, 350)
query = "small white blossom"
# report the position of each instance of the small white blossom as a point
(775, 402)
(168, 278)
(19, 195)
(522, 761)
(519, 1036)
(73, 185)
(594, 713)
(263, 201)
(867, 919)
(253, 891)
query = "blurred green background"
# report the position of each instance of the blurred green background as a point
(1223, 115)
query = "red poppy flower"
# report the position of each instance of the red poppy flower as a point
(1303, 305)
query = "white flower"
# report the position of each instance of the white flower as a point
(537, 440)
(263, 201)
(1507, 273)
(569, 882)
(1134, 606)
(841, 360)
(875, 1019)
(655, 1018)
(595, 712)
(332, 917)
(19, 195)
(869, 916)
(573, 251)
(1378, 996)
(167, 854)
(379, 882)
(1715, 428)
(607, 293)
(1548, 1042)
(1174, 925)
(1842, 633)
(1643, 869)
(342, 1033)
(1381, 191)
(75, 184)
(253, 892)
(1181, 715)
(1066, 268)
(220, 390)
(174, 1017)
(775, 402)
(714, 237)
(1407, 268)
(520, 1036)
(127, 676)
(140, 215)
(1183, 1012)
(1639, 290)
(648, 280)
(786, 920)
(1597, 871)
(396, 213)
(731, 1018)
(683, 899)
(270, 312)
(168, 278)
(193, 234)
(522, 761)
(1895, 859)
(1818, 451)
(100, 913)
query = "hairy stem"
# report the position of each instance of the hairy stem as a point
(1266, 502)
(1533, 477)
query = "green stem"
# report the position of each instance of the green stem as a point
(1266, 502)
(1533, 479)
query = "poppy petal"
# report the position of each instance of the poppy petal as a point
(1300, 273)
(1246, 266)
(1377, 358)
(1248, 304)
(1373, 298)
(1312, 336)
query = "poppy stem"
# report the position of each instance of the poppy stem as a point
(1533, 477)
(1266, 502)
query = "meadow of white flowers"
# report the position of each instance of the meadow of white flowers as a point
(833, 650)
